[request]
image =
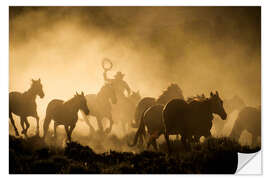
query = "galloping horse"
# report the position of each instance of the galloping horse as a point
(65, 113)
(191, 119)
(188, 119)
(100, 105)
(24, 105)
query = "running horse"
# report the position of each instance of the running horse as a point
(149, 113)
(65, 113)
(24, 105)
(190, 119)
(101, 108)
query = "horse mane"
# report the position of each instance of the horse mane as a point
(29, 91)
(198, 98)
(173, 91)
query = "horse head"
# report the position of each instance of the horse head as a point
(82, 103)
(217, 105)
(36, 87)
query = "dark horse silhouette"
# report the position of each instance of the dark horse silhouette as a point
(24, 105)
(150, 108)
(172, 92)
(191, 119)
(101, 106)
(249, 118)
(65, 113)
(180, 117)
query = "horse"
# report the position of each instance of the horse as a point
(150, 107)
(173, 91)
(191, 119)
(230, 105)
(24, 105)
(249, 118)
(124, 110)
(64, 113)
(100, 105)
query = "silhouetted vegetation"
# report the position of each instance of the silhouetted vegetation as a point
(32, 155)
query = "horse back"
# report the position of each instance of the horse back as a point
(54, 105)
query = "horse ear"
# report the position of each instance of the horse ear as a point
(211, 94)
(217, 93)
(77, 93)
(82, 93)
(39, 80)
(32, 80)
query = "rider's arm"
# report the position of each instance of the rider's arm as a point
(127, 88)
(105, 77)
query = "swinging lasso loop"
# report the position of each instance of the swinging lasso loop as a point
(107, 61)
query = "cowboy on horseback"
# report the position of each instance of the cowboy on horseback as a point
(120, 86)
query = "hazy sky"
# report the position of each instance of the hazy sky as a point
(202, 49)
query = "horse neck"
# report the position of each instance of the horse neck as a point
(72, 103)
(30, 94)
(206, 106)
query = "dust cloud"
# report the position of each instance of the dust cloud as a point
(203, 49)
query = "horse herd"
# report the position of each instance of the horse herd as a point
(169, 114)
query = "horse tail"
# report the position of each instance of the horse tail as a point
(140, 131)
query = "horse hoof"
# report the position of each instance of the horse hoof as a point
(23, 131)
(17, 134)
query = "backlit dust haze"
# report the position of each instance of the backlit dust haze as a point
(203, 49)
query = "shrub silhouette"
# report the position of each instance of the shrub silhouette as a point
(33, 156)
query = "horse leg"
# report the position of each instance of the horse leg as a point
(46, 125)
(108, 130)
(67, 132)
(71, 130)
(22, 124)
(167, 141)
(27, 126)
(13, 124)
(55, 129)
(100, 125)
(152, 140)
(37, 119)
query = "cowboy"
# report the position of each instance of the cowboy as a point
(118, 83)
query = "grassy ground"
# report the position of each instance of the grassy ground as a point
(33, 155)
